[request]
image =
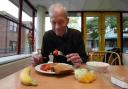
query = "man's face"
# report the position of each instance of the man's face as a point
(59, 23)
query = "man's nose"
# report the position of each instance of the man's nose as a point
(57, 26)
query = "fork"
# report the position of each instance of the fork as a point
(51, 57)
(61, 53)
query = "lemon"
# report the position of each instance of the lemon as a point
(84, 75)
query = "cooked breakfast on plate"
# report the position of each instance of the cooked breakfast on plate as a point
(58, 68)
(47, 67)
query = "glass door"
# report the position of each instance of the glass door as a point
(91, 31)
(101, 31)
(112, 30)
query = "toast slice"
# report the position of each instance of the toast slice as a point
(61, 68)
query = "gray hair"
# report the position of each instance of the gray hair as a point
(56, 6)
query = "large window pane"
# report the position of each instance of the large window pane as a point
(27, 20)
(27, 15)
(48, 25)
(8, 29)
(125, 32)
(9, 8)
(92, 33)
(110, 32)
(75, 22)
(8, 37)
(26, 40)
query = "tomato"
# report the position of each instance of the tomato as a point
(45, 67)
(55, 52)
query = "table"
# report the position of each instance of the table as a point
(63, 82)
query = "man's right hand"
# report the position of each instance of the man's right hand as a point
(37, 59)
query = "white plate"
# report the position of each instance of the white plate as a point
(37, 68)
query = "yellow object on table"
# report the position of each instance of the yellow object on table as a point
(84, 75)
(25, 77)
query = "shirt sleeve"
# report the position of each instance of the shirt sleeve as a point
(81, 48)
(45, 48)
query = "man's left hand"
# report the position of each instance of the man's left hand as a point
(75, 59)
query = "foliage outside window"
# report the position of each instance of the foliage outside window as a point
(125, 32)
(125, 24)
(110, 21)
(92, 26)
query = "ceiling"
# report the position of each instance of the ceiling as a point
(89, 5)
(82, 5)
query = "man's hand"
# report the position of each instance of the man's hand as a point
(37, 59)
(75, 59)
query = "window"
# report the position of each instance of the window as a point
(110, 32)
(12, 26)
(92, 37)
(9, 36)
(12, 45)
(74, 22)
(48, 25)
(125, 32)
(27, 23)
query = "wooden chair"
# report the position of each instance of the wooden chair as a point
(110, 57)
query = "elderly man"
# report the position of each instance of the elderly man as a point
(67, 40)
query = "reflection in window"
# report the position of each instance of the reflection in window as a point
(12, 26)
(12, 45)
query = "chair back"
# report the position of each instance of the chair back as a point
(110, 57)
